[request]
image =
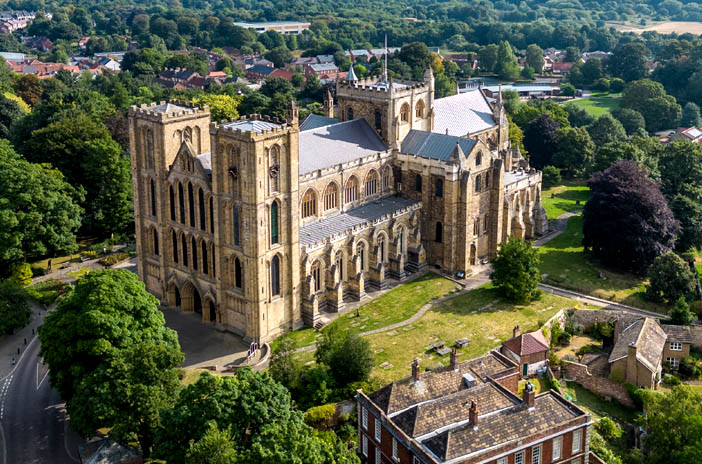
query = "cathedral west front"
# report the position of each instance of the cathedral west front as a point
(260, 224)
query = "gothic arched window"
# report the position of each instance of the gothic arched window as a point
(351, 190)
(331, 196)
(174, 241)
(191, 204)
(439, 188)
(439, 232)
(171, 197)
(309, 204)
(275, 276)
(235, 220)
(371, 186)
(205, 267)
(274, 222)
(193, 247)
(404, 112)
(201, 207)
(237, 273)
(181, 203)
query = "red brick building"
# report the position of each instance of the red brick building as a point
(469, 413)
(529, 350)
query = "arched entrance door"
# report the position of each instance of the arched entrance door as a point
(173, 295)
(197, 301)
(213, 312)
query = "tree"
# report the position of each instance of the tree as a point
(215, 447)
(22, 274)
(575, 150)
(417, 56)
(670, 278)
(516, 271)
(625, 200)
(106, 312)
(690, 115)
(535, 58)
(578, 116)
(348, 356)
(616, 85)
(527, 73)
(680, 164)
(38, 209)
(506, 66)
(254, 103)
(540, 140)
(283, 367)
(276, 85)
(280, 56)
(601, 84)
(606, 129)
(628, 61)
(487, 57)
(592, 70)
(688, 211)
(14, 308)
(568, 90)
(126, 391)
(632, 121)
(221, 106)
(612, 152)
(29, 88)
(649, 98)
(511, 101)
(551, 176)
(674, 426)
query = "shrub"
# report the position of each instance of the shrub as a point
(690, 368)
(602, 84)
(316, 387)
(556, 385)
(321, 417)
(15, 312)
(681, 314)
(670, 278)
(22, 274)
(637, 395)
(588, 349)
(553, 360)
(616, 85)
(556, 333)
(348, 356)
(88, 254)
(516, 271)
(565, 339)
(113, 259)
(48, 291)
(551, 176)
(101, 247)
(671, 379)
(608, 428)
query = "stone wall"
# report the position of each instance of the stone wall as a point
(597, 385)
(586, 318)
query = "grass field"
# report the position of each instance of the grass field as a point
(566, 265)
(564, 198)
(481, 315)
(598, 104)
(668, 27)
(396, 305)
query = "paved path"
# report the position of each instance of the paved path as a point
(14, 346)
(559, 225)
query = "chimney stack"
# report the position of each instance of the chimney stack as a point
(454, 358)
(529, 395)
(473, 413)
(415, 369)
(516, 331)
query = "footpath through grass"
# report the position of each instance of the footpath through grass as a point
(394, 306)
(564, 198)
(565, 264)
(598, 104)
(480, 315)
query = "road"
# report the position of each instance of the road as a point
(33, 424)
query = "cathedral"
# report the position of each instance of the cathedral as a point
(259, 224)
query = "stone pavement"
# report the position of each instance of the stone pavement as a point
(9, 344)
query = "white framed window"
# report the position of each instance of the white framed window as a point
(364, 440)
(364, 418)
(673, 362)
(577, 440)
(675, 346)
(394, 450)
(557, 444)
(519, 457)
(536, 455)
(377, 455)
(377, 430)
(502, 461)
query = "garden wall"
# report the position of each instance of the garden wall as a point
(598, 385)
(586, 318)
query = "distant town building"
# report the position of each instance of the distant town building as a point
(692, 134)
(11, 21)
(40, 69)
(327, 70)
(283, 27)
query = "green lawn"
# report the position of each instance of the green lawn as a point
(481, 315)
(564, 198)
(394, 306)
(598, 104)
(566, 265)
(48, 291)
(79, 273)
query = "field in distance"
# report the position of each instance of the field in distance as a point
(668, 27)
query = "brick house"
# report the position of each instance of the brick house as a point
(328, 70)
(529, 350)
(638, 352)
(469, 413)
(677, 344)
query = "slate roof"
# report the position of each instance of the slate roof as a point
(337, 143)
(525, 344)
(322, 67)
(438, 383)
(260, 69)
(677, 333)
(362, 216)
(434, 146)
(252, 125)
(325, 58)
(314, 121)
(206, 162)
(510, 424)
(648, 337)
(463, 114)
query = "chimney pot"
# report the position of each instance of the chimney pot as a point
(516, 331)
(415, 369)
(473, 413)
(454, 358)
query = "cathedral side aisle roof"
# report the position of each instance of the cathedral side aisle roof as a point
(462, 114)
(365, 214)
(313, 121)
(434, 146)
(337, 143)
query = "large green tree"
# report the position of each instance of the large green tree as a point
(348, 356)
(516, 271)
(575, 150)
(14, 307)
(691, 115)
(628, 61)
(649, 98)
(606, 129)
(506, 66)
(39, 210)
(535, 58)
(670, 278)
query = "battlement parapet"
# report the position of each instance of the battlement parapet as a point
(168, 111)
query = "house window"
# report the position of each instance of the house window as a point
(237, 235)
(377, 455)
(674, 363)
(201, 207)
(364, 440)
(577, 439)
(439, 188)
(394, 450)
(439, 232)
(184, 246)
(377, 430)
(477, 183)
(171, 197)
(381, 249)
(274, 168)
(237, 273)
(309, 204)
(418, 182)
(364, 418)
(174, 240)
(415, 460)
(153, 198)
(191, 204)
(275, 276)
(274, 222)
(502, 461)
(193, 247)
(519, 458)
(675, 346)
(404, 113)
(351, 190)
(536, 455)
(331, 197)
(371, 184)
(556, 453)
